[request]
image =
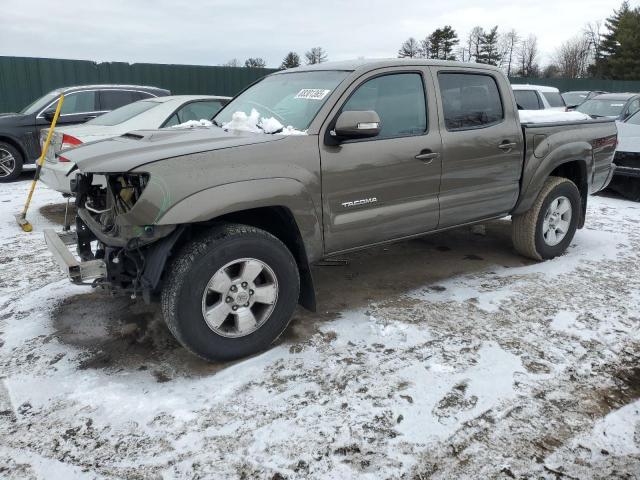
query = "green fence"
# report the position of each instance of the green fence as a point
(23, 79)
(569, 84)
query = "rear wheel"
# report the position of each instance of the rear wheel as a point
(10, 162)
(547, 228)
(230, 293)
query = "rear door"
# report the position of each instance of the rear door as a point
(482, 145)
(385, 187)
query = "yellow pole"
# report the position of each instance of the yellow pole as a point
(22, 218)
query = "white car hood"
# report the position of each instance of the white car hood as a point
(628, 137)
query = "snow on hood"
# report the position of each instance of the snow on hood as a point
(544, 116)
(242, 122)
(195, 123)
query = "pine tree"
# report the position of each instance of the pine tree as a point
(316, 55)
(292, 60)
(449, 41)
(410, 49)
(620, 47)
(489, 52)
(255, 63)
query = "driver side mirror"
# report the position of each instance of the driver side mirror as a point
(357, 124)
(49, 114)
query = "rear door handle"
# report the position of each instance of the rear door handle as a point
(427, 157)
(507, 145)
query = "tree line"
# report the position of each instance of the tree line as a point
(611, 51)
(291, 60)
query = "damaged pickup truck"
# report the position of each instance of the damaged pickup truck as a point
(222, 224)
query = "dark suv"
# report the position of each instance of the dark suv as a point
(20, 132)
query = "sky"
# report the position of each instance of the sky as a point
(211, 32)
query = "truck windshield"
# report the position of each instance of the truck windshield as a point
(574, 98)
(293, 99)
(602, 108)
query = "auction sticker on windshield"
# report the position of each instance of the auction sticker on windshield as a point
(312, 93)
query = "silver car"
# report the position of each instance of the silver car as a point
(162, 112)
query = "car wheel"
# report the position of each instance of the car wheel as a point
(547, 228)
(627, 187)
(231, 292)
(10, 162)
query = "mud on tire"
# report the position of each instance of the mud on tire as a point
(528, 229)
(190, 281)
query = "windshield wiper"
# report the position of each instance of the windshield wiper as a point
(216, 123)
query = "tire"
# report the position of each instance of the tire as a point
(203, 265)
(626, 187)
(529, 228)
(11, 162)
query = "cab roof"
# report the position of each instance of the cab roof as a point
(372, 64)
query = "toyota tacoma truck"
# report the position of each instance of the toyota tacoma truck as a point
(222, 224)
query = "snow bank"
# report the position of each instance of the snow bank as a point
(543, 116)
(195, 123)
(242, 122)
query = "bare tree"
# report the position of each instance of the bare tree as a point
(573, 57)
(508, 45)
(255, 63)
(410, 48)
(232, 63)
(471, 51)
(527, 56)
(593, 32)
(316, 55)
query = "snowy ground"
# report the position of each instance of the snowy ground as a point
(444, 357)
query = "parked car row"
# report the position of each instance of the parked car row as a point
(623, 107)
(150, 114)
(20, 132)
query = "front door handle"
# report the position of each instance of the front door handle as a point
(427, 156)
(507, 145)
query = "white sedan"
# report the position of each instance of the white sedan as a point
(161, 112)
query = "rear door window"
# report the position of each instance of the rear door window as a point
(399, 100)
(554, 99)
(79, 102)
(527, 99)
(470, 100)
(112, 99)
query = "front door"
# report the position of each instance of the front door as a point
(386, 187)
(482, 146)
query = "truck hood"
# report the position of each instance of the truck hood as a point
(134, 149)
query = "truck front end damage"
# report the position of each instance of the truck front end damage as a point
(114, 247)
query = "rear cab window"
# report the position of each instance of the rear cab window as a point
(470, 100)
(554, 99)
(527, 99)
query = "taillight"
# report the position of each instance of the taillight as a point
(69, 141)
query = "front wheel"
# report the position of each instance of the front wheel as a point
(10, 162)
(547, 228)
(230, 293)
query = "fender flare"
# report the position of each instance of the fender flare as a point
(219, 200)
(535, 174)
